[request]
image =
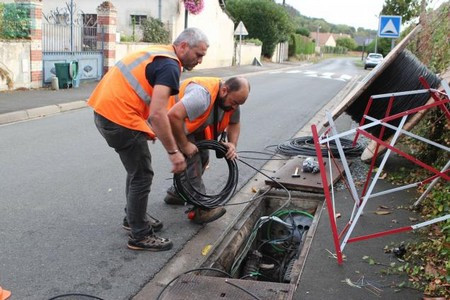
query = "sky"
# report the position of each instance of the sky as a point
(356, 13)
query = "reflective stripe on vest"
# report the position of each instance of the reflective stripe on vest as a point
(134, 83)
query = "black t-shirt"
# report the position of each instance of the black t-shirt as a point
(164, 71)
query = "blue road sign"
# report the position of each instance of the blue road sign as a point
(389, 26)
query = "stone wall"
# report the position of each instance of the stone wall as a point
(15, 64)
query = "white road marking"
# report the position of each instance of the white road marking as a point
(325, 75)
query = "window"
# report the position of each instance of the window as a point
(138, 19)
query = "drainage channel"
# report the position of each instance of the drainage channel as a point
(264, 256)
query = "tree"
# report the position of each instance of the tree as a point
(408, 9)
(346, 42)
(303, 31)
(383, 46)
(264, 20)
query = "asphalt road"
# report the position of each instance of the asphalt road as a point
(62, 189)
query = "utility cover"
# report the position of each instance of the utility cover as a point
(240, 29)
(389, 26)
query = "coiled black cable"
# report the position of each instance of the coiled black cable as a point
(305, 146)
(195, 197)
(402, 74)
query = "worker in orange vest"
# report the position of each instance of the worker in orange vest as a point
(130, 107)
(205, 103)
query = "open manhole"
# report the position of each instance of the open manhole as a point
(263, 252)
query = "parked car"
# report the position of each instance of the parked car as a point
(372, 60)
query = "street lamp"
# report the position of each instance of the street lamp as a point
(317, 36)
(376, 34)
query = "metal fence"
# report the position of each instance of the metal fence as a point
(66, 38)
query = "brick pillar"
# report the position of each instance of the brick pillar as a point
(106, 30)
(36, 65)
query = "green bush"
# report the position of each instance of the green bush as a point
(127, 38)
(303, 31)
(257, 42)
(299, 44)
(334, 50)
(14, 21)
(154, 32)
(432, 47)
(346, 42)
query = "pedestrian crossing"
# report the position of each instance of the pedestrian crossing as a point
(322, 75)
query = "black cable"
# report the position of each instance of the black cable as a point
(199, 199)
(402, 74)
(75, 294)
(190, 271)
(273, 180)
(273, 155)
(255, 197)
(305, 146)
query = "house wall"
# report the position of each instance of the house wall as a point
(219, 32)
(22, 60)
(217, 26)
(15, 62)
(249, 52)
(122, 49)
(125, 8)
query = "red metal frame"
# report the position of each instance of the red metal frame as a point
(438, 102)
(326, 191)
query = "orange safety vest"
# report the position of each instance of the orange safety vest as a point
(124, 94)
(212, 85)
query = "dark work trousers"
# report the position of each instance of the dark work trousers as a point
(195, 167)
(132, 147)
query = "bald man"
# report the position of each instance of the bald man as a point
(203, 102)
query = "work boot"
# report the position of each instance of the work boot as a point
(156, 224)
(172, 197)
(150, 242)
(202, 215)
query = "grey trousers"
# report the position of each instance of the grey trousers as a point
(195, 167)
(132, 147)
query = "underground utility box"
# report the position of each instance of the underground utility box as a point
(262, 254)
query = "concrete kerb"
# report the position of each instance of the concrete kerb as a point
(40, 112)
(191, 256)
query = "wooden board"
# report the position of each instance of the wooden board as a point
(307, 181)
(196, 287)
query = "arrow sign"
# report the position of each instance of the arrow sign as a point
(389, 26)
(240, 29)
